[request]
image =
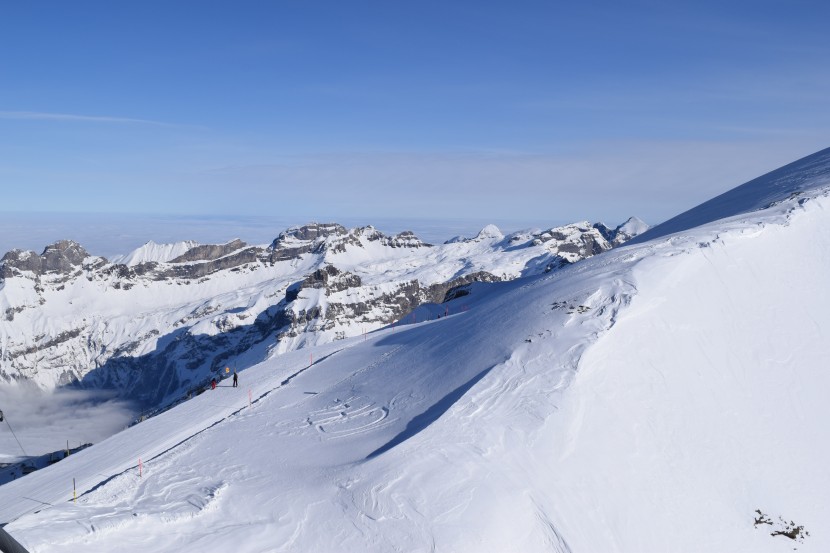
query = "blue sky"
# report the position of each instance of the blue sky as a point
(533, 112)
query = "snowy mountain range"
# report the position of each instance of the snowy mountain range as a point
(666, 395)
(163, 320)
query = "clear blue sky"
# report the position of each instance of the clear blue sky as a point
(537, 111)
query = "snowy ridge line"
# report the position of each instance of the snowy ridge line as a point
(808, 177)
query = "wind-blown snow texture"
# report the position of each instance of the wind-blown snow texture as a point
(664, 396)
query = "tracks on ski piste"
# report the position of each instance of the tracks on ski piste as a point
(215, 423)
(259, 398)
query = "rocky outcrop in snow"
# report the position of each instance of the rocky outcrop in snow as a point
(62, 257)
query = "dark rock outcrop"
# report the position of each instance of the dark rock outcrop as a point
(209, 252)
(205, 268)
(62, 257)
(297, 241)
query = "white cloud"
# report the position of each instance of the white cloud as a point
(69, 117)
(44, 421)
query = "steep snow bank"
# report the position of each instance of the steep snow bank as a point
(806, 174)
(706, 402)
(152, 252)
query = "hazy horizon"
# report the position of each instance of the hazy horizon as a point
(110, 235)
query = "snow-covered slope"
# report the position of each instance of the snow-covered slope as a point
(789, 181)
(664, 396)
(155, 253)
(165, 318)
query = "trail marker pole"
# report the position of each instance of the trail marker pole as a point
(74, 492)
(139, 467)
(310, 359)
(250, 401)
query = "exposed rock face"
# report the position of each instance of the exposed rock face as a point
(405, 239)
(209, 252)
(158, 328)
(17, 261)
(578, 241)
(61, 257)
(199, 270)
(331, 279)
(300, 240)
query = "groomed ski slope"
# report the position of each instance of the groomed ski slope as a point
(649, 399)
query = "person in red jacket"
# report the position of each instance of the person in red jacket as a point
(212, 383)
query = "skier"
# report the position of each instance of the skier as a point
(213, 383)
(235, 379)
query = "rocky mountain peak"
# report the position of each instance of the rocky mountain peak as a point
(296, 241)
(61, 257)
(308, 233)
(631, 228)
(405, 239)
(489, 232)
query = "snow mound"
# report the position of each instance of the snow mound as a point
(152, 252)
(632, 227)
(489, 232)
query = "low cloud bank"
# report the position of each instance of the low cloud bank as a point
(44, 421)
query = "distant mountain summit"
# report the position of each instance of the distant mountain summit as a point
(62, 257)
(155, 253)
